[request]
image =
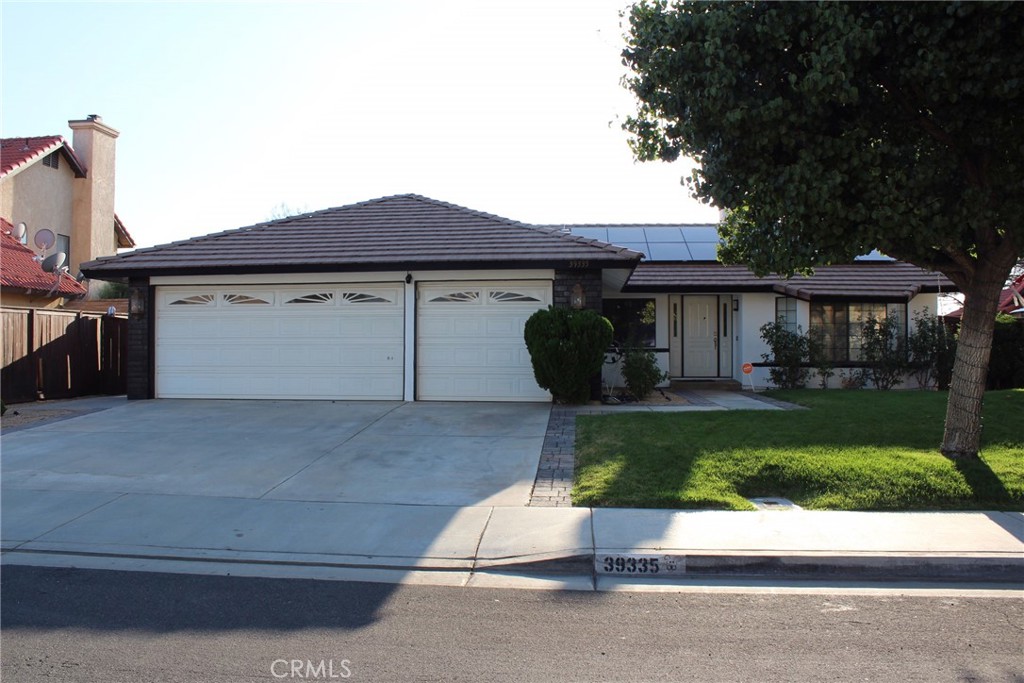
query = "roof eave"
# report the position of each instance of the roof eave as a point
(111, 268)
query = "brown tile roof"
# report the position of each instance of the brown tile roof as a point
(866, 280)
(20, 271)
(16, 153)
(399, 232)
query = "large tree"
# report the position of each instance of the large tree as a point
(831, 129)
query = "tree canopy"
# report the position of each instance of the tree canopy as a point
(831, 129)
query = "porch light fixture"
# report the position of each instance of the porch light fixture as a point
(579, 299)
(408, 278)
(735, 305)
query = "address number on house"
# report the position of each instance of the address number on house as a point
(640, 565)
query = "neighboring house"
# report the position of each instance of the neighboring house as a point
(22, 279)
(409, 298)
(47, 184)
(1011, 302)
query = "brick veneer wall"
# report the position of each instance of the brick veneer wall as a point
(590, 280)
(565, 280)
(139, 364)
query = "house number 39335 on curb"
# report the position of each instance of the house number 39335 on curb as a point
(640, 565)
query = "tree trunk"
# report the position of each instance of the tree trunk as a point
(962, 437)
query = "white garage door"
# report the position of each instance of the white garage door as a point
(469, 340)
(299, 342)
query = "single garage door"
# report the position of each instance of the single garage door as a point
(469, 340)
(336, 341)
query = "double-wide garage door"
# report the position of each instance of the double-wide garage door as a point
(319, 341)
(346, 341)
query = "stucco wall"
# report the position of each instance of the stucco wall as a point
(41, 197)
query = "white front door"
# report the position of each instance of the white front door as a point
(469, 340)
(700, 336)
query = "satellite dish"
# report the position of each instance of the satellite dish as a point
(19, 230)
(53, 261)
(45, 239)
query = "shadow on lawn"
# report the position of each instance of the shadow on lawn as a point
(984, 483)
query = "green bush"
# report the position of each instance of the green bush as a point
(789, 352)
(567, 350)
(114, 290)
(641, 373)
(885, 352)
(820, 359)
(1006, 366)
(932, 349)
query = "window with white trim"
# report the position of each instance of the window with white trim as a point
(841, 325)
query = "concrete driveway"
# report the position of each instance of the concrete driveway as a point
(457, 454)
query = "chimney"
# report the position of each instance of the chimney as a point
(92, 217)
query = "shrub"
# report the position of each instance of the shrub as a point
(1006, 366)
(567, 350)
(789, 352)
(641, 372)
(885, 352)
(932, 349)
(114, 290)
(853, 379)
(820, 358)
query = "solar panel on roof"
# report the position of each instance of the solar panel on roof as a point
(668, 251)
(704, 251)
(700, 233)
(663, 233)
(618, 235)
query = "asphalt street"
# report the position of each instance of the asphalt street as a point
(85, 625)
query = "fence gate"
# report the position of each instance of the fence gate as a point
(61, 354)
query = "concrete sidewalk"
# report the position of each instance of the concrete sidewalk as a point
(391, 542)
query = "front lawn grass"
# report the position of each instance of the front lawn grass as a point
(852, 450)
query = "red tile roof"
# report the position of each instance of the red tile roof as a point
(1010, 299)
(865, 280)
(399, 232)
(19, 270)
(124, 240)
(18, 152)
(100, 306)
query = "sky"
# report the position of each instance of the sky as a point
(229, 111)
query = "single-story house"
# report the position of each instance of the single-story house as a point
(409, 298)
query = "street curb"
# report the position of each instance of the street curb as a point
(907, 567)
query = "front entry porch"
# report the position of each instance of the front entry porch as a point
(701, 336)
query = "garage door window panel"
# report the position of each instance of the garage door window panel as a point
(315, 299)
(463, 297)
(248, 299)
(195, 300)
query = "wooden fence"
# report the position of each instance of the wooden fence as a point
(61, 354)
